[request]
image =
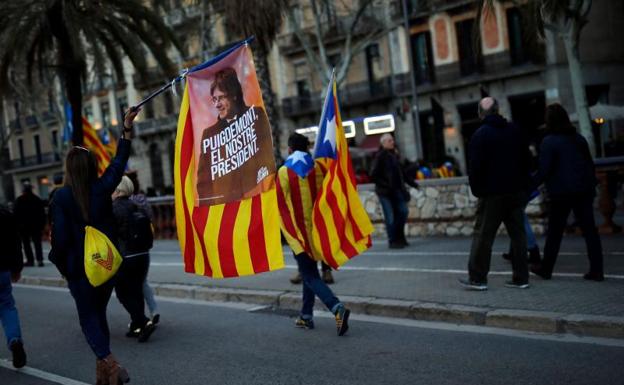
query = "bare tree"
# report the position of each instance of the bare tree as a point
(360, 28)
(566, 19)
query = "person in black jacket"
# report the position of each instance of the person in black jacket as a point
(133, 270)
(11, 264)
(86, 199)
(31, 219)
(567, 169)
(498, 173)
(389, 179)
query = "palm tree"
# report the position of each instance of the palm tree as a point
(566, 19)
(66, 35)
(263, 19)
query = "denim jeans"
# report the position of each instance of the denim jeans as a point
(530, 236)
(314, 285)
(148, 294)
(8, 312)
(395, 214)
(91, 304)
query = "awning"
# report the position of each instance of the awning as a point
(604, 111)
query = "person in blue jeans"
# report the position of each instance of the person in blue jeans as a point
(11, 264)
(389, 179)
(298, 182)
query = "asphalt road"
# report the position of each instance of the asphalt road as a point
(199, 343)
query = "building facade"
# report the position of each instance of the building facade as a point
(453, 60)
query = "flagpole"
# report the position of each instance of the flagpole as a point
(187, 71)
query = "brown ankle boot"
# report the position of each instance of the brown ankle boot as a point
(101, 373)
(117, 374)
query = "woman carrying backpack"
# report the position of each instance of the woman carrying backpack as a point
(86, 200)
(135, 239)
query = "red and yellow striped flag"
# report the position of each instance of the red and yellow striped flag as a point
(225, 199)
(341, 226)
(93, 142)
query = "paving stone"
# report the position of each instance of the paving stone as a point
(390, 308)
(459, 314)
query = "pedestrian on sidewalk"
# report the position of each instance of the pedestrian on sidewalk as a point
(298, 181)
(134, 232)
(498, 173)
(139, 198)
(31, 219)
(390, 180)
(86, 199)
(11, 263)
(567, 169)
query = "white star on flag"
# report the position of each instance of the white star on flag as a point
(298, 156)
(330, 133)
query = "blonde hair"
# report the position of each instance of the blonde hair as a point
(125, 187)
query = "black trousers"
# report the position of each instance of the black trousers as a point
(560, 207)
(129, 288)
(35, 237)
(491, 212)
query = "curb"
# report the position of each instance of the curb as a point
(526, 320)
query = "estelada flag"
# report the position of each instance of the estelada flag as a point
(226, 207)
(341, 227)
(93, 142)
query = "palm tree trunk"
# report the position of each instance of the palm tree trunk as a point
(264, 78)
(578, 90)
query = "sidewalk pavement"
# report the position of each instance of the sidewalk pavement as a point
(420, 282)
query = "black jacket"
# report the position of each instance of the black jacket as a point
(30, 212)
(123, 208)
(11, 258)
(499, 158)
(388, 175)
(68, 232)
(566, 166)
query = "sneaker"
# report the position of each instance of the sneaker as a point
(296, 279)
(304, 323)
(328, 277)
(342, 320)
(19, 355)
(473, 285)
(156, 318)
(594, 277)
(517, 285)
(146, 331)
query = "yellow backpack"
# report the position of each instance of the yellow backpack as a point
(101, 258)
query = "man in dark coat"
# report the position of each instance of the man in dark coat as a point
(11, 263)
(498, 172)
(31, 219)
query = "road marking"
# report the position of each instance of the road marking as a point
(564, 337)
(40, 374)
(408, 270)
(567, 338)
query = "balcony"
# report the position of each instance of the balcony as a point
(154, 126)
(353, 94)
(31, 121)
(35, 162)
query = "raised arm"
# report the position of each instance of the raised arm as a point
(115, 170)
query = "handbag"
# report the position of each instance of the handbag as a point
(101, 257)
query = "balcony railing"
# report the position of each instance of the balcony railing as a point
(153, 126)
(350, 95)
(35, 160)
